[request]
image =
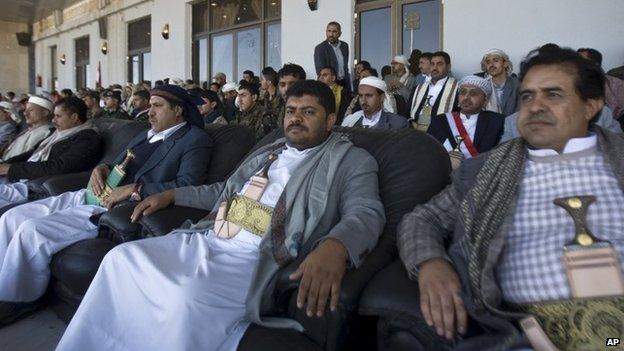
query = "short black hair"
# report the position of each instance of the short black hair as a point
(269, 74)
(143, 94)
(159, 83)
(592, 54)
(334, 23)
(365, 64)
(385, 70)
(426, 55)
(320, 91)
(292, 69)
(250, 73)
(92, 94)
(252, 88)
(372, 71)
(590, 78)
(331, 69)
(444, 55)
(67, 92)
(75, 105)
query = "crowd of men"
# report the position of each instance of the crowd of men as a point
(486, 250)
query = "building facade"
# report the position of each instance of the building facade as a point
(118, 41)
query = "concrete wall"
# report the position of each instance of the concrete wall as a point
(303, 29)
(170, 58)
(523, 25)
(13, 59)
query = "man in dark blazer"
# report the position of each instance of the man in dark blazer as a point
(174, 153)
(371, 94)
(334, 53)
(481, 130)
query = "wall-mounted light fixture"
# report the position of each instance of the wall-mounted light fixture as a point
(165, 31)
(62, 59)
(313, 4)
(104, 48)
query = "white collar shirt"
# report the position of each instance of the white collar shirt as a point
(435, 89)
(153, 137)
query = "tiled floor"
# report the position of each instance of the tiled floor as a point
(39, 332)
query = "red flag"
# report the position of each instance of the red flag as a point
(98, 76)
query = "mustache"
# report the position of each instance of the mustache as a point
(295, 125)
(539, 117)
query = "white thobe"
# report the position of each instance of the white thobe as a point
(176, 292)
(31, 233)
(11, 193)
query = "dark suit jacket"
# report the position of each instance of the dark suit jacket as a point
(324, 56)
(489, 130)
(79, 152)
(388, 121)
(345, 99)
(180, 160)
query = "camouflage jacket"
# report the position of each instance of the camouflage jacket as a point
(258, 120)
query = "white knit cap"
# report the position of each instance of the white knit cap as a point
(43, 102)
(375, 83)
(479, 82)
(229, 86)
(499, 53)
(401, 59)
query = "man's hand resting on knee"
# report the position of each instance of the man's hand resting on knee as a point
(440, 300)
(321, 276)
(152, 204)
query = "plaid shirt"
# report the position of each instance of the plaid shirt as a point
(531, 268)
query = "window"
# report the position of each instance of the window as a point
(385, 28)
(82, 62)
(54, 68)
(232, 36)
(139, 48)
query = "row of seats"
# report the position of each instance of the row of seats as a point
(413, 167)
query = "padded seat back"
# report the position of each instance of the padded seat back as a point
(413, 167)
(231, 143)
(116, 134)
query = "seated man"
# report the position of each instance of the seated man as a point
(140, 104)
(327, 75)
(480, 130)
(173, 153)
(73, 147)
(316, 196)
(112, 105)
(371, 94)
(251, 114)
(8, 127)
(510, 234)
(37, 114)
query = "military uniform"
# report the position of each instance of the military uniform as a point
(258, 120)
(119, 114)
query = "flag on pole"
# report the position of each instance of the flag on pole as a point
(98, 76)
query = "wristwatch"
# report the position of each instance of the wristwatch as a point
(136, 192)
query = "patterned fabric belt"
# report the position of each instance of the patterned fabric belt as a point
(579, 324)
(250, 215)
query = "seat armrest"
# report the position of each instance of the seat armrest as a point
(391, 294)
(59, 184)
(116, 226)
(167, 219)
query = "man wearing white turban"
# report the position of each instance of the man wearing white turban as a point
(371, 94)
(401, 81)
(38, 114)
(498, 69)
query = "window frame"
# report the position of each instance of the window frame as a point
(137, 51)
(396, 22)
(262, 24)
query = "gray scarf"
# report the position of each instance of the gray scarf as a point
(303, 201)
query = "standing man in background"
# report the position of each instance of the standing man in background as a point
(334, 53)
